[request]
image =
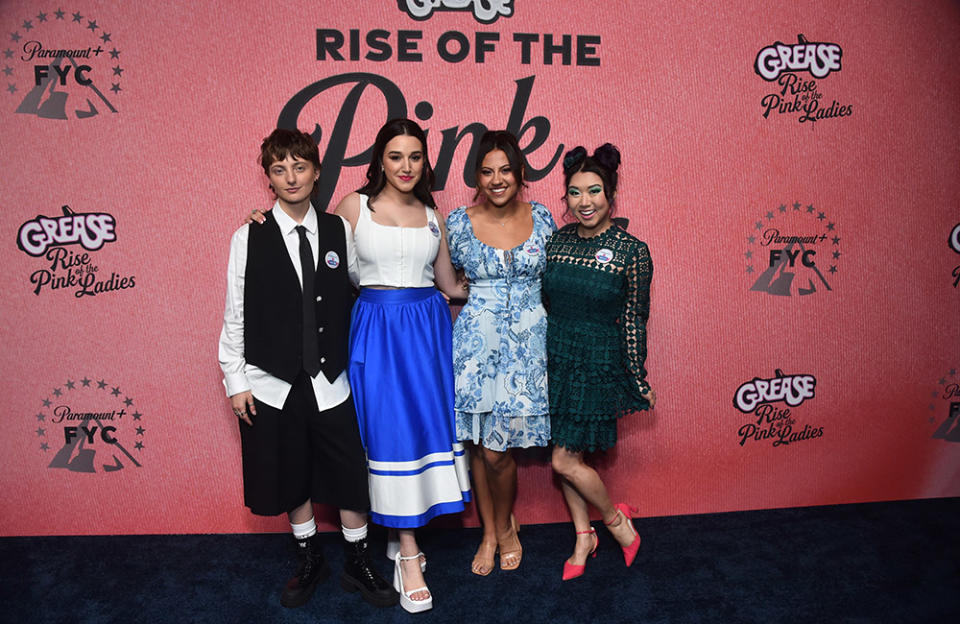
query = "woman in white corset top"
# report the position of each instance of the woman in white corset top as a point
(401, 357)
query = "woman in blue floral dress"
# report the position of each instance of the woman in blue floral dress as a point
(499, 339)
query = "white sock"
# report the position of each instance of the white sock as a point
(304, 530)
(354, 535)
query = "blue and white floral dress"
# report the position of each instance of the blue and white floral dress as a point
(499, 338)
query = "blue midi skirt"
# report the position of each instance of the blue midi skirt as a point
(401, 376)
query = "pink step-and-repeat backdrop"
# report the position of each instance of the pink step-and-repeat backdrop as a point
(794, 168)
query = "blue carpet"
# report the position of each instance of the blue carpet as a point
(878, 562)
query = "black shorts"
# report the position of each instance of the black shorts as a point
(299, 453)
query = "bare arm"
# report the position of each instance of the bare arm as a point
(443, 273)
(349, 209)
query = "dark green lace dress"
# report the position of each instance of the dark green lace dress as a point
(597, 294)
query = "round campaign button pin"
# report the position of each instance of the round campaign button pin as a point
(332, 259)
(604, 255)
(433, 228)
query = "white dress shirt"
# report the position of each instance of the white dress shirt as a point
(238, 375)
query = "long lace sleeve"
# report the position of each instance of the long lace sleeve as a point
(633, 319)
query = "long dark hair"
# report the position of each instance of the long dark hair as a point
(507, 143)
(376, 179)
(604, 162)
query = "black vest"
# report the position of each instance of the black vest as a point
(272, 305)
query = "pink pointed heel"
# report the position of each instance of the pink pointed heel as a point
(625, 512)
(572, 570)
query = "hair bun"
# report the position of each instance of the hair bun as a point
(608, 156)
(574, 158)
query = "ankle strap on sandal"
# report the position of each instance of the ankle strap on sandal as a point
(411, 557)
(617, 518)
(592, 530)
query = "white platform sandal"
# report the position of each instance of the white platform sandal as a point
(409, 604)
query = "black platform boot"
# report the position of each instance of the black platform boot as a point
(359, 575)
(313, 569)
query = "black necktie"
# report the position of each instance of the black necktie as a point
(311, 353)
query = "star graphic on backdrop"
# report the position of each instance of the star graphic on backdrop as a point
(830, 227)
(101, 385)
(117, 71)
(138, 445)
(821, 216)
(770, 215)
(810, 209)
(105, 37)
(141, 431)
(15, 36)
(85, 382)
(933, 394)
(8, 70)
(836, 255)
(751, 239)
(41, 417)
(70, 384)
(77, 17)
(943, 381)
(27, 25)
(932, 407)
(749, 268)
(749, 254)
(128, 401)
(59, 14)
(782, 208)
(833, 268)
(796, 205)
(8, 53)
(92, 25)
(115, 391)
(57, 392)
(953, 372)
(115, 87)
(46, 402)
(836, 240)
(114, 53)
(41, 17)
(44, 446)
(759, 225)
(12, 88)
(137, 415)
(41, 431)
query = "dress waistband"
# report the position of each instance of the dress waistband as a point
(396, 295)
(523, 294)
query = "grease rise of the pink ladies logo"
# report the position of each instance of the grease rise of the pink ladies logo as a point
(955, 245)
(352, 94)
(795, 70)
(485, 11)
(64, 245)
(770, 401)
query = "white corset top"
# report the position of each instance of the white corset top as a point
(401, 257)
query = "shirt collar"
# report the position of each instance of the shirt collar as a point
(288, 226)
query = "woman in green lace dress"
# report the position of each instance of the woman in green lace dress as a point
(597, 292)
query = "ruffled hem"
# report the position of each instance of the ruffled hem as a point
(499, 432)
